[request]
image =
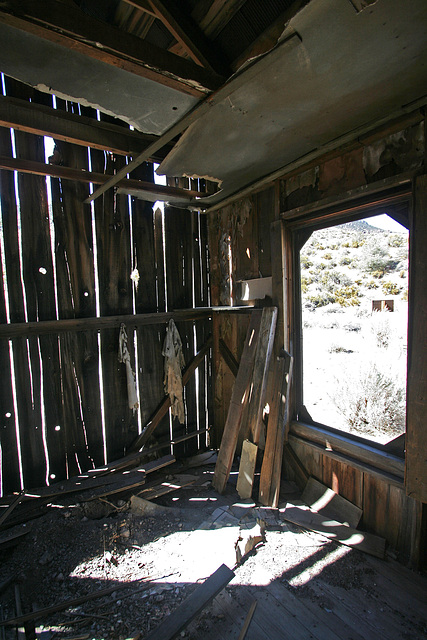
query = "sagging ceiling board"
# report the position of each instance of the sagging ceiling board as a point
(148, 106)
(344, 70)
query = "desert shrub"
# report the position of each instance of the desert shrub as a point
(397, 241)
(347, 296)
(353, 327)
(346, 260)
(321, 266)
(336, 348)
(333, 247)
(305, 262)
(372, 285)
(405, 295)
(377, 259)
(357, 242)
(381, 330)
(390, 288)
(371, 402)
(321, 299)
(377, 274)
(402, 274)
(327, 256)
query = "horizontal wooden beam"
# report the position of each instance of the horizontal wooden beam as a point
(68, 26)
(41, 120)
(161, 192)
(350, 446)
(27, 329)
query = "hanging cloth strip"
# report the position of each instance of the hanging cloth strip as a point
(174, 362)
(124, 357)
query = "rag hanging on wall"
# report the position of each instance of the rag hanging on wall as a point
(124, 357)
(174, 362)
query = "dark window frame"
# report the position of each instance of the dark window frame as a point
(395, 201)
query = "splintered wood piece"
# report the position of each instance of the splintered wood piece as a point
(193, 605)
(304, 517)
(238, 402)
(248, 619)
(247, 469)
(331, 505)
(271, 469)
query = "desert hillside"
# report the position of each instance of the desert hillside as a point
(354, 355)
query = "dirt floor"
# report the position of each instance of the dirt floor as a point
(153, 560)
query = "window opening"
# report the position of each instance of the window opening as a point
(354, 317)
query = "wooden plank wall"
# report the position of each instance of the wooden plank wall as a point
(239, 244)
(387, 510)
(240, 230)
(63, 401)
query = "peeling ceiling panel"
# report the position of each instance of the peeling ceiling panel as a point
(146, 105)
(344, 71)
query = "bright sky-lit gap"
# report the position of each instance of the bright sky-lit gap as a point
(43, 414)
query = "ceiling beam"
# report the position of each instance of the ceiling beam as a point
(136, 187)
(41, 120)
(186, 31)
(143, 5)
(68, 26)
(199, 110)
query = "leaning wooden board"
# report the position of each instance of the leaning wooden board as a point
(331, 505)
(237, 404)
(304, 517)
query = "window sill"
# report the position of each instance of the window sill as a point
(361, 455)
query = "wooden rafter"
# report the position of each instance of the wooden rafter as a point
(71, 28)
(189, 35)
(143, 5)
(61, 125)
(68, 173)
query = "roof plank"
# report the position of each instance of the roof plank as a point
(71, 28)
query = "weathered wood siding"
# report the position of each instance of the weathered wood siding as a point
(389, 158)
(63, 403)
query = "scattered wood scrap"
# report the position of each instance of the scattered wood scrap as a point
(167, 486)
(308, 519)
(62, 606)
(179, 619)
(34, 503)
(331, 505)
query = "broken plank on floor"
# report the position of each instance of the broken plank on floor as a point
(304, 517)
(193, 605)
